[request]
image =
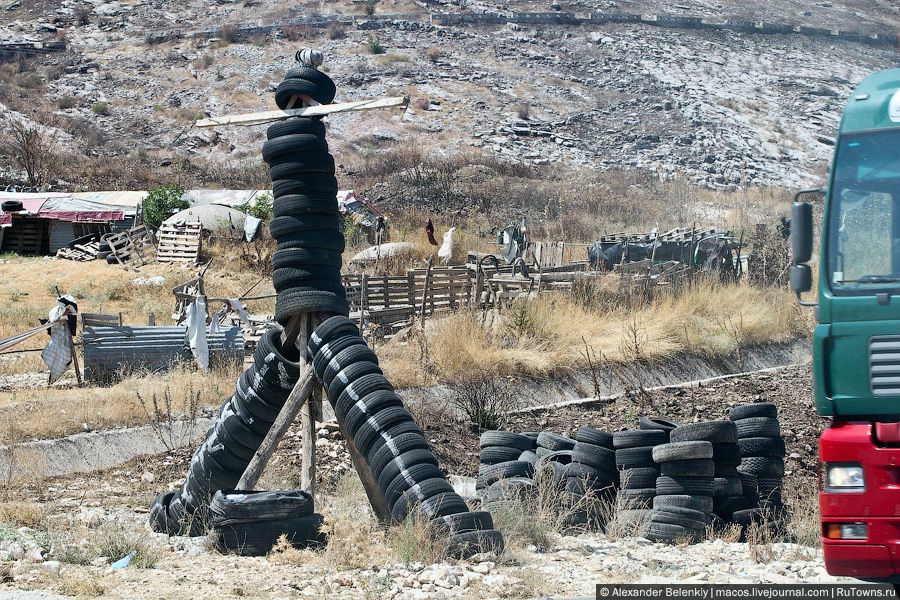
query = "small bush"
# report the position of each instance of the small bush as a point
(262, 207)
(486, 404)
(83, 15)
(370, 7)
(295, 33)
(228, 33)
(434, 53)
(161, 202)
(336, 31)
(523, 111)
(100, 108)
(66, 102)
(374, 46)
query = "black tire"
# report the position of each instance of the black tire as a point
(724, 487)
(348, 375)
(358, 390)
(657, 423)
(725, 507)
(238, 430)
(726, 471)
(312, 166)
(580, 487)
(528, 456)
(596, 456)
(331, 348)
(699, 467)
(329, 328)
(296, 143)
(757, 409)
(314, 240)
(470, 543)
(11, 206)
(294, 126)
(434, 504)
(763, 466)
(238, 506)
(505, 438)
(758, 427)
(291, 257)
(380, 424)
(291, 186)
(508, 489)
(629, 458)
(258, 426)
(416, 474)
(693, 450)
(111, 259)
(293, 276)
(639, 438)
(160, 522)
(632, 517)
(750, 515)
(597, 437)
(561, 456)
(492, 455)
(716, 432)
(297, 206)
(224, 456)
(671, 518)
(672, 502)
(727, 454)
(270, 352)
(639, 477)
(462, 522)
(637, 497)
(354, 355)
(554, 471)
(383, 454)
(323, 94)
(404, 462)
(666, 532)
(506, 470)
(251, 404)
(602, 477)
(258, 537)
(684, 486)
(762, 446)
(232, 444)
(85, 239)
(371, 404)
(281, 226)
(554, 442)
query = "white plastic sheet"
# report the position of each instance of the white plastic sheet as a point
(196, 332)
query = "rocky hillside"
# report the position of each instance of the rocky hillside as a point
(720, 107)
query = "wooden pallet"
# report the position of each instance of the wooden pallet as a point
(179, 242)
(132, 248)
(27, 236)
(81, 252)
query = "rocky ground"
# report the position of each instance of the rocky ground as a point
(569, 565)
(723, 109)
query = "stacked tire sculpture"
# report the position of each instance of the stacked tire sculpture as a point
(397, 453)
(307, 225)
(593, 466)
(240, 428)
(762, 451)
(634, 456)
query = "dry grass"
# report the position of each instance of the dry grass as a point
(710, 321)
(112, 540)
(38, 413)
(28, 514)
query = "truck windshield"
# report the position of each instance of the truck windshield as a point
(864, 227)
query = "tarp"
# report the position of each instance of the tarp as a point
(68, 208)
(127, 200)
(223, 197)
(31, 203)
(358, 207)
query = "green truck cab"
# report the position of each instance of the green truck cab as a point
(856, 343)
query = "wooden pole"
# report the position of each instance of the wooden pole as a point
(425, 291)
(74, 353)
(373, 492)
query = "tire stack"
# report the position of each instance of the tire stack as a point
(240, 428)
(307, 225)
(593, 467)
(684, 489)
(507, 466)
(250, 523)
(762, 452)
(634, 456)
(396, 451)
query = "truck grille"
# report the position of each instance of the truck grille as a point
(884, 365)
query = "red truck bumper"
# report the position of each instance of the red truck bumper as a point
(877, 557)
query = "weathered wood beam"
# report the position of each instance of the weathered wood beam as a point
(319, 110)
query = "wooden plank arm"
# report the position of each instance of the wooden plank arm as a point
(319, 110)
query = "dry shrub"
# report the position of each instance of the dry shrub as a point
(336, 31)
(433, 53)
(113, 540)
(82, 586)
(28, 514)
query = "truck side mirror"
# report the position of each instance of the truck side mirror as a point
(801, 278)
(801, 232)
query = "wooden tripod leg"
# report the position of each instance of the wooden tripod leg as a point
(373, 492)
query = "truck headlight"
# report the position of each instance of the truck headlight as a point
(844, 478)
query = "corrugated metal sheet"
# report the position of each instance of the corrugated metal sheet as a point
(112, 351)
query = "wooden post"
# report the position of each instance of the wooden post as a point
(373, 492)
(74, 354)
(425, 291)
(308, 447)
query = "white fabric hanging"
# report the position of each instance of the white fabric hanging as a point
(446, 250)
(196, 332)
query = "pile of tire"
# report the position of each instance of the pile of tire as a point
(634, 456)
(398, 455)
(307, 225)
(593, 467)
(251, 523)
(507, 466)
(242, 423)
(762, 451)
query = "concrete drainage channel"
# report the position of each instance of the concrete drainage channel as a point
(101, 450)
